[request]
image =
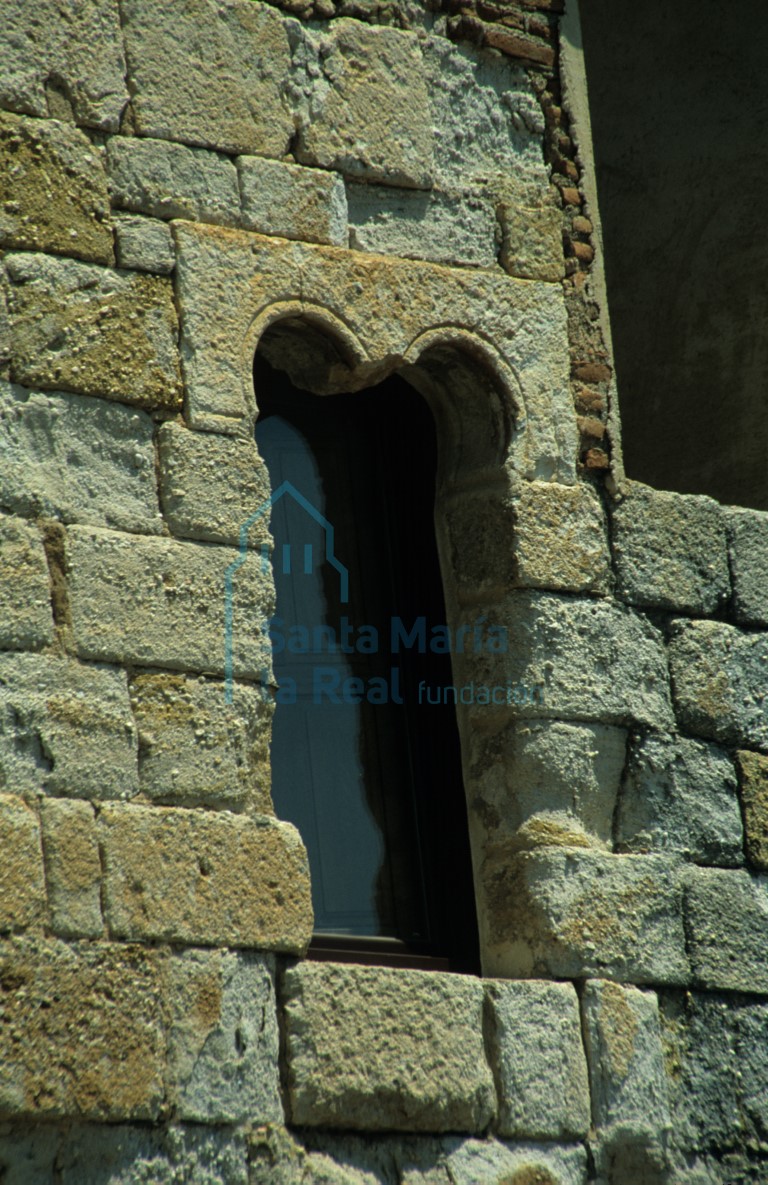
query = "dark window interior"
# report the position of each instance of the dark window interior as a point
(374, 787)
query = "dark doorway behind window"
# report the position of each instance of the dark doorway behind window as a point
(374, 786)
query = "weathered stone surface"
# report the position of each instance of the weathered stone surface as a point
(531, 241)
(212, 485)
(125, 1155)
(670, 550)
(584, 658)
(223, 1038)
(195, 749)
(144, 244)
(748, 549)
(72, 868)
(444, 227)
(680, 795)
(161, 603)
(65, 729)
(559, 538)
(53, 191)
(287, 200)
(210, 74)
(539, 1060)
(719, 682)
(77, 459)
(726, 921)
(5, 325)
(26, 619)
(753, 791)
(81, 1033)
(541, 783)
(205, 877)
(76, 49)
(22, 884)
(569, 912)
(84, 328)
(366, 106)
(495, 1163)
(169, 180)
(375, 1048)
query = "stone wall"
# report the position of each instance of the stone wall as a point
(402, 185)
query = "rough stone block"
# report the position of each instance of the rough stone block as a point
(144, 244)
(495, 1163)
(223, 1051)
(195, 749)
(582, 658)
(72, 868)
(77, 459)
(726, 918)
(539, 1058)
(559, 538)
(5, 325)
(213, 485)
(291, 201)
(671, 550)
(94, 331)
(748, 548)
(375, 1048)
(233, 97)
(53, 190)
(719, 682)
(753, 791)
(22, 884)
(122, 1154)
(204, 877)
(160, 603)
(680, 795)
(531, 241)
(169, 180)
(546, 782)
(61, 56)
(448, 228)
(26, 619)
(65, 729)
(81, 1034)
(569, 912)
(367, 106)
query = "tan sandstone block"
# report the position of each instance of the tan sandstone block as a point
(53, 190)
(206, 877)
(26, 619)
(753, 788)
(82, 1032)
(373, 1048)
(72, 867)
(83, 328)
(22, 885)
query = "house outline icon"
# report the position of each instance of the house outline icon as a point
(285, 487)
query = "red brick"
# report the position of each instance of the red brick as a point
(582, 225)
(571, 196)
(516, 45)
(588, 401)
(591, 426)
(592, 372)
(583, 252)
(596, 458)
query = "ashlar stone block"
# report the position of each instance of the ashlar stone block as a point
(26, 618)
(53, 190)
(295, 202)
(373, 1048)
(72, 868)
(748, 550)
(753, 791)
(726, 914)
(144, 244)
(167, 180)
(454, 228)
(22, 884)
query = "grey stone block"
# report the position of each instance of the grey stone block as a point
(160, 603)
(531, 241)
(72, 868)
(748, 548)
(568, 912)
(233, 97)
(680, 795)
(196, 749)
(92, 330)
(27, 1153)
(539, 1060)
(719, 682)
(213, 485)
(65, 729)
(671, 550)
(446, 227)
(81, 45)
(5, 324)
(22, 884)
(495, 1163)
(366, 105)
(125, 1155)
(726, 919)
(373, 1048)
(77, 459)
(26, 618)
(559, 539)
(223, 1051)
(53, 190)
(291, 201)
(144, 244)
(753, 792)
(167, 180)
